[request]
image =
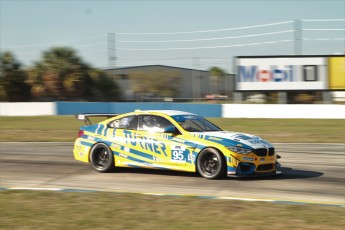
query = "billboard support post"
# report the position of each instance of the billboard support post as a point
(238, 97)
(326, 97)
(282, 98)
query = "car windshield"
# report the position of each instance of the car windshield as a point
(194, 123)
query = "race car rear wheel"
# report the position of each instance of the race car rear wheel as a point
(102, 158)
(211, 164)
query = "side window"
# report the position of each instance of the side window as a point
(153, 123)
(192, 126)
(130, 122)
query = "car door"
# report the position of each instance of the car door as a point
(167, 148)
(125, 143)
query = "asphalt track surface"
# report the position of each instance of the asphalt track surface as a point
(311, 173)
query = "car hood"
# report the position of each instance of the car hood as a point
(244, 140)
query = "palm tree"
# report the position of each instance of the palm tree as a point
(13, 79)
(57, 75)
(62, 75)
(216, 74)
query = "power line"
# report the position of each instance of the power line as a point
(208, 39)
(323, 39)
(324, 29)
(88, 42)
(205, 47)
(323, 20)
(188, 32)
(208, 31)
(55, 43)
(175, 61)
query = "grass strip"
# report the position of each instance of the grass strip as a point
(105, 210)
(65, 129)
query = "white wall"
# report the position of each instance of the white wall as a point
(283, 111)
(27, 108)
(228, 110)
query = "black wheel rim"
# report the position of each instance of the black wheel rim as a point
(209, 163)
(100, 157)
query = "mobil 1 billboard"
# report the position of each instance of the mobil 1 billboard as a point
(283, 73)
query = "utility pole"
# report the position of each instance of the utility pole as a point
(297, 42)
(111, 54)
(196, 84)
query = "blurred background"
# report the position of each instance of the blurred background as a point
(173, 51)
(241, 63)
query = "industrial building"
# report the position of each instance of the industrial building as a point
(193, 84)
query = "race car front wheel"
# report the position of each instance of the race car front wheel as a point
(211, 164)
(102, 158)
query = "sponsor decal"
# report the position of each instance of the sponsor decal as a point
(158, 159)
(122, 155)
(336, 73)
(149, 144)
(215, 138)
(255, 141)
(271, 74)
(201, 136)
(229, 159)
(191, 157)
(248, 158)
(91, 138)
(177, 147)
(179, 140)
(242, 137)
(116, 146)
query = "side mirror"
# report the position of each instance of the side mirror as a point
(170, 129)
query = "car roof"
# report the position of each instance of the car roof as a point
(167, 112)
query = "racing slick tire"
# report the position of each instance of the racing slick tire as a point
(102, 158)
(211, 164)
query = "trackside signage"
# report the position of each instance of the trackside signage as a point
(281, 73)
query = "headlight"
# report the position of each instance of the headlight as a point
(239, 150)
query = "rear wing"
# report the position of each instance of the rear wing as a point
(85, 116)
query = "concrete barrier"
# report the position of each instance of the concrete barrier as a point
(27, 108)
(206, 110)
(70, 108)
(283, 111)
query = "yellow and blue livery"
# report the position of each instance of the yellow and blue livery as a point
(172, 140)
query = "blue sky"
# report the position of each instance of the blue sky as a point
(29, 27)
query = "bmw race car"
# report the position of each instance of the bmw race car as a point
(173, 140)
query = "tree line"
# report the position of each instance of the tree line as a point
(60, 75)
